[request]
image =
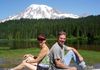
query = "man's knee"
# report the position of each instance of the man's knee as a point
(71, 52)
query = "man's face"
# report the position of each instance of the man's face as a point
(62, 39)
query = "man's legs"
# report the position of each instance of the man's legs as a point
(70, 55)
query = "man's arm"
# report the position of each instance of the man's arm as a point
(61, 65)
(76, 52)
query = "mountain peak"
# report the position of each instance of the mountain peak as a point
(37, 5)
(36, 11)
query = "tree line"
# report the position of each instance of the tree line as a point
(29, 28)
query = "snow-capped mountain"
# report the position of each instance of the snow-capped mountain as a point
(36, 11)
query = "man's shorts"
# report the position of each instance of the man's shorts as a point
(42, 67)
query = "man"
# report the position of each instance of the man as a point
(59, 61)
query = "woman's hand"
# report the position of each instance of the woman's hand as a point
(29, 59)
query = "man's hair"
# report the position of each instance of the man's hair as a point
(41, 37)
(62, 33)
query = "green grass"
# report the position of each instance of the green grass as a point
(14, 57)
(91, 57)
(18, 53)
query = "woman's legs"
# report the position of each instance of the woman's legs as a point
(24, 64)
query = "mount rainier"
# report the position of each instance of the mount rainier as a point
(36, 11)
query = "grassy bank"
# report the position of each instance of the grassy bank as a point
(17, 53)
(91, 57)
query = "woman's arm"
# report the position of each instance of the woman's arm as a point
(41, 55)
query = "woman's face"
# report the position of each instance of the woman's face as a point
(41, 42)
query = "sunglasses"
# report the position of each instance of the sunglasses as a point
(40, 39)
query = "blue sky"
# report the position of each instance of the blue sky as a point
(77, 7)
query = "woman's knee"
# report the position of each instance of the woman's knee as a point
(24, 62)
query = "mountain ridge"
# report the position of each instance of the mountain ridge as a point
(36, 11)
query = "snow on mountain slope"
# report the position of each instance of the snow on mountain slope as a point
(36, 11)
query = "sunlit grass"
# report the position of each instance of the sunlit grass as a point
(18, 53)
(91, 57)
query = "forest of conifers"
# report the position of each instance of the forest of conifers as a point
(30, 28)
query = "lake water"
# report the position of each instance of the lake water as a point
(78, 44)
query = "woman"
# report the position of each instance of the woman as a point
(41, 60)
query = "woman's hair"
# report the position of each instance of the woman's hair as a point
(41, 37)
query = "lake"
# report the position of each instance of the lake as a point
(78, 44)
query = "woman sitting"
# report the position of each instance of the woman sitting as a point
(42, 59)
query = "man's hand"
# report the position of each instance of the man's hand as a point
(81, 58)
